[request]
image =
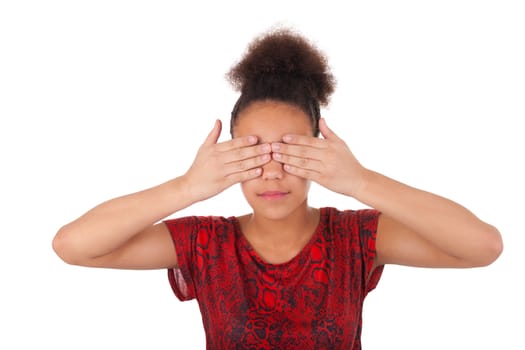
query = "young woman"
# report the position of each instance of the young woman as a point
(286, 276)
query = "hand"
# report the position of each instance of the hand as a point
(328, 161)
(218, 166)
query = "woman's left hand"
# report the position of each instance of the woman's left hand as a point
(328, 161)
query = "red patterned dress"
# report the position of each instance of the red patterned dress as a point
(313, 301)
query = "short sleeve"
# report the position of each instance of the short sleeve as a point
(368, 220)
(181, 278)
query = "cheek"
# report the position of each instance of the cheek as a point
(299, 185)
(298, 181)
(306, 185)
(247, 187)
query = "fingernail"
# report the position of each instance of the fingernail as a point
(287, 138)
(276, 147)
(277, 156)
(252, 139)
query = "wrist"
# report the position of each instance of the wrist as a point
(360, 184)
(178, 192)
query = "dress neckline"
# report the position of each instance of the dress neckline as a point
(299, 257)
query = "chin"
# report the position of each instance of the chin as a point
(277, 211)
(273, 213)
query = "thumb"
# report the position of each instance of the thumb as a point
(326, 131)
(214, 134)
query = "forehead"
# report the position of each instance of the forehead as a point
(271, 120)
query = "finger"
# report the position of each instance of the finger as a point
(246, 164)
(297, 150)
(300, 172)
(238, 154)
(214, 134)
(326, 131)
(244, 176)
(304, 140)
(237, 142)
(298, 162)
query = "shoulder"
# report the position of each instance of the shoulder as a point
(196, 224)
(361, 217)
(356, 227)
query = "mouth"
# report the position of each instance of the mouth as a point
(273, 195)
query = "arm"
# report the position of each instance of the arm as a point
(122, 232)
(416, 228)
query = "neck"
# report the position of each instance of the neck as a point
(297, 226)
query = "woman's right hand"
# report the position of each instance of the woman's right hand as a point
(218, 166)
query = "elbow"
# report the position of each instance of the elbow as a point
(490, 248)
(63, 247)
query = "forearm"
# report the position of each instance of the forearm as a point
(110, 224)
(446, 224)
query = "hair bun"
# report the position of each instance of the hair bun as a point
(285, 55)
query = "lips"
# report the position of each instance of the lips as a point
(273, 195)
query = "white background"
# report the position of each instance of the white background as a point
(104, 98)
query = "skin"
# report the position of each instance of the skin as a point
(273, 150)
(279, 227)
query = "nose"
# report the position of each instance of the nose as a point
(273, 170)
